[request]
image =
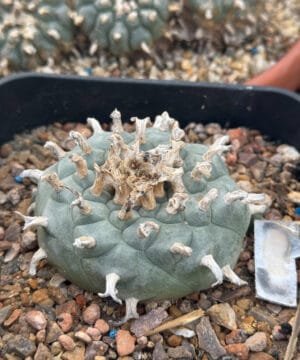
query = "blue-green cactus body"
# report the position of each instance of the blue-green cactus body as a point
(31, 33)
(146, 267)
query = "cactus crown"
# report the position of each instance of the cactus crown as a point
(137, 176)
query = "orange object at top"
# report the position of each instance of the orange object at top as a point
(284, 74)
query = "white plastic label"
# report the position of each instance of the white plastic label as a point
(277, 245)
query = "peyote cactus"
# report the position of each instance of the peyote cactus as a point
(142, 215)
(122, 26)
(218, 10)
(31, 32)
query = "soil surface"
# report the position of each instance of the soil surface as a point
(46, 317)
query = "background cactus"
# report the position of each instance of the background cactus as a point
(141, 215)
(122, 26)
(220, 10)
(32, 32)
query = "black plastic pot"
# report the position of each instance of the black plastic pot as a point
(30, 100)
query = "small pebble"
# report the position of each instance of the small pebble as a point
(14, 196)
(208, 340)
(150, 345)
(203, 302)
(6, 150)
(42, 353)
(239, 350)
(41, 336)
(274, 308)
(142, 341)
(76, 354)
(223, 314)
(159, 352)
(294, 196)
(148, 322)
(251, 266)
(94, 333)
(179, 352)
(91, 314)
(261, 356)
(102, 326)
(174, 340)
(185, 306)
(235, 337)
(21, 346)
(69, 307)
(13, 317)
(65, 321)
(3, 199)
(99, 348)
(36, 319)
(288, 153)
(66, 342)
(125, 343)
(81, 335)
(80, 300)
(257, 342)
(56, 280)
(244, 304)
(12, 253)
(41, 296)
(56, 348)
(248, 325)
(247, 159)
(53, 332)
(2, 232)
(5, 313)
(213, 128)
(261, 314)
(240, 134)
(29, 240)
(183, 332)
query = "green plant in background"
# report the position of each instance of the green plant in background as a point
(142, 215)
(32, 32)
(220, 10)
(122, 26)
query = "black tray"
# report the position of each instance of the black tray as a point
(30, 100)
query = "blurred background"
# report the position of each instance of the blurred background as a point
(227, 41)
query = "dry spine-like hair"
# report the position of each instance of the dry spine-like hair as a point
(53, 180)
(137, 177)
(205, 203)
(181, 249)
(81, 142)
(82, 205)
(81, 165)
(147, 228)
(55, 149)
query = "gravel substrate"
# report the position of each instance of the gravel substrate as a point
(46, 317)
